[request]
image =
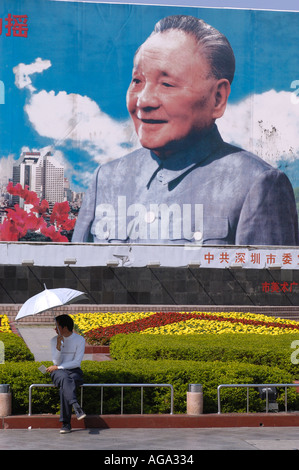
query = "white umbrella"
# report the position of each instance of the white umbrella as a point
(48, 299)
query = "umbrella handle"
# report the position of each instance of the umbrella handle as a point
(58, 329)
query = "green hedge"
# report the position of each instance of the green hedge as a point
(178, 360)
(15, 349)
(248, 348)
(209, 374)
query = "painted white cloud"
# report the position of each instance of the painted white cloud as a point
(77, 119)
(22, 72)
(266, 124)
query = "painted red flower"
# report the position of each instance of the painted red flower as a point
(19, 221)
(60, 216)
(8, 231)
(54, 234)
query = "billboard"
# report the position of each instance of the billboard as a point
(141, 132)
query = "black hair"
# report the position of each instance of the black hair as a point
(65, 320)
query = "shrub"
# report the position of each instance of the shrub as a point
(254, 349)
(20, 377)
(209, 374)
(15, 349)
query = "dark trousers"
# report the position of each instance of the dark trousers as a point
(67, 380)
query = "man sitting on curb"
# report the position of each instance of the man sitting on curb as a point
(67, 353)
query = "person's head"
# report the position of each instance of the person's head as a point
(181, 82)
(65, 323)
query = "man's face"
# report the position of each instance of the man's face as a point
(172, 96)
(62, 330)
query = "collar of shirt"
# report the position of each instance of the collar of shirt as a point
(172, 168)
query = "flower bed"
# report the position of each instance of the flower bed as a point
(98, 328)
(4, 324)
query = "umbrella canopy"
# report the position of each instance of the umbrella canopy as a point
(48, 299)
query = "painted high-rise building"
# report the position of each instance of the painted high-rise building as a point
(43, 174)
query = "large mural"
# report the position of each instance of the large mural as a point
(136, 125)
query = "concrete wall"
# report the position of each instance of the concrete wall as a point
(154, 286)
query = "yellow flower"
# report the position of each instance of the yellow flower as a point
(207, 322)
(89, 321)
(4, 324)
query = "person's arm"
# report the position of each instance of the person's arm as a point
(269, 214)
(79, 353)
(56, 347)
(86, 213)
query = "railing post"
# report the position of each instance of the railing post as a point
(247, 408)
(171, 399)
(30, 401)
(121, 400)
(218, 398)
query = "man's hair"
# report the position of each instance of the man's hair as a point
(65, 320)
(214, 45)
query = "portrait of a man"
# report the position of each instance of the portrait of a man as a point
(185, 184)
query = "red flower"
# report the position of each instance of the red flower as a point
(30, 197)
(41, 208)
(60, 216)
(19, 217)
(103, 334)
(8, 231)
(19, 221)
(53, 234)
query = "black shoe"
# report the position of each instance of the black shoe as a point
(78, 411)
(66, 428)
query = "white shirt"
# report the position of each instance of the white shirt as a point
(71, 354)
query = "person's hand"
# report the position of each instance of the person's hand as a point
(59, 342)
(51, 369)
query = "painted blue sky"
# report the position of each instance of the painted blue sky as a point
(66, 83)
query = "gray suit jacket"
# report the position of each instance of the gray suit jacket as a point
(215, 194)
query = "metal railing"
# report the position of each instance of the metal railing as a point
(142, 386)
(285, 386)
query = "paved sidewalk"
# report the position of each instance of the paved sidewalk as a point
(115, 439)
(38, 338)
(175, 440)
